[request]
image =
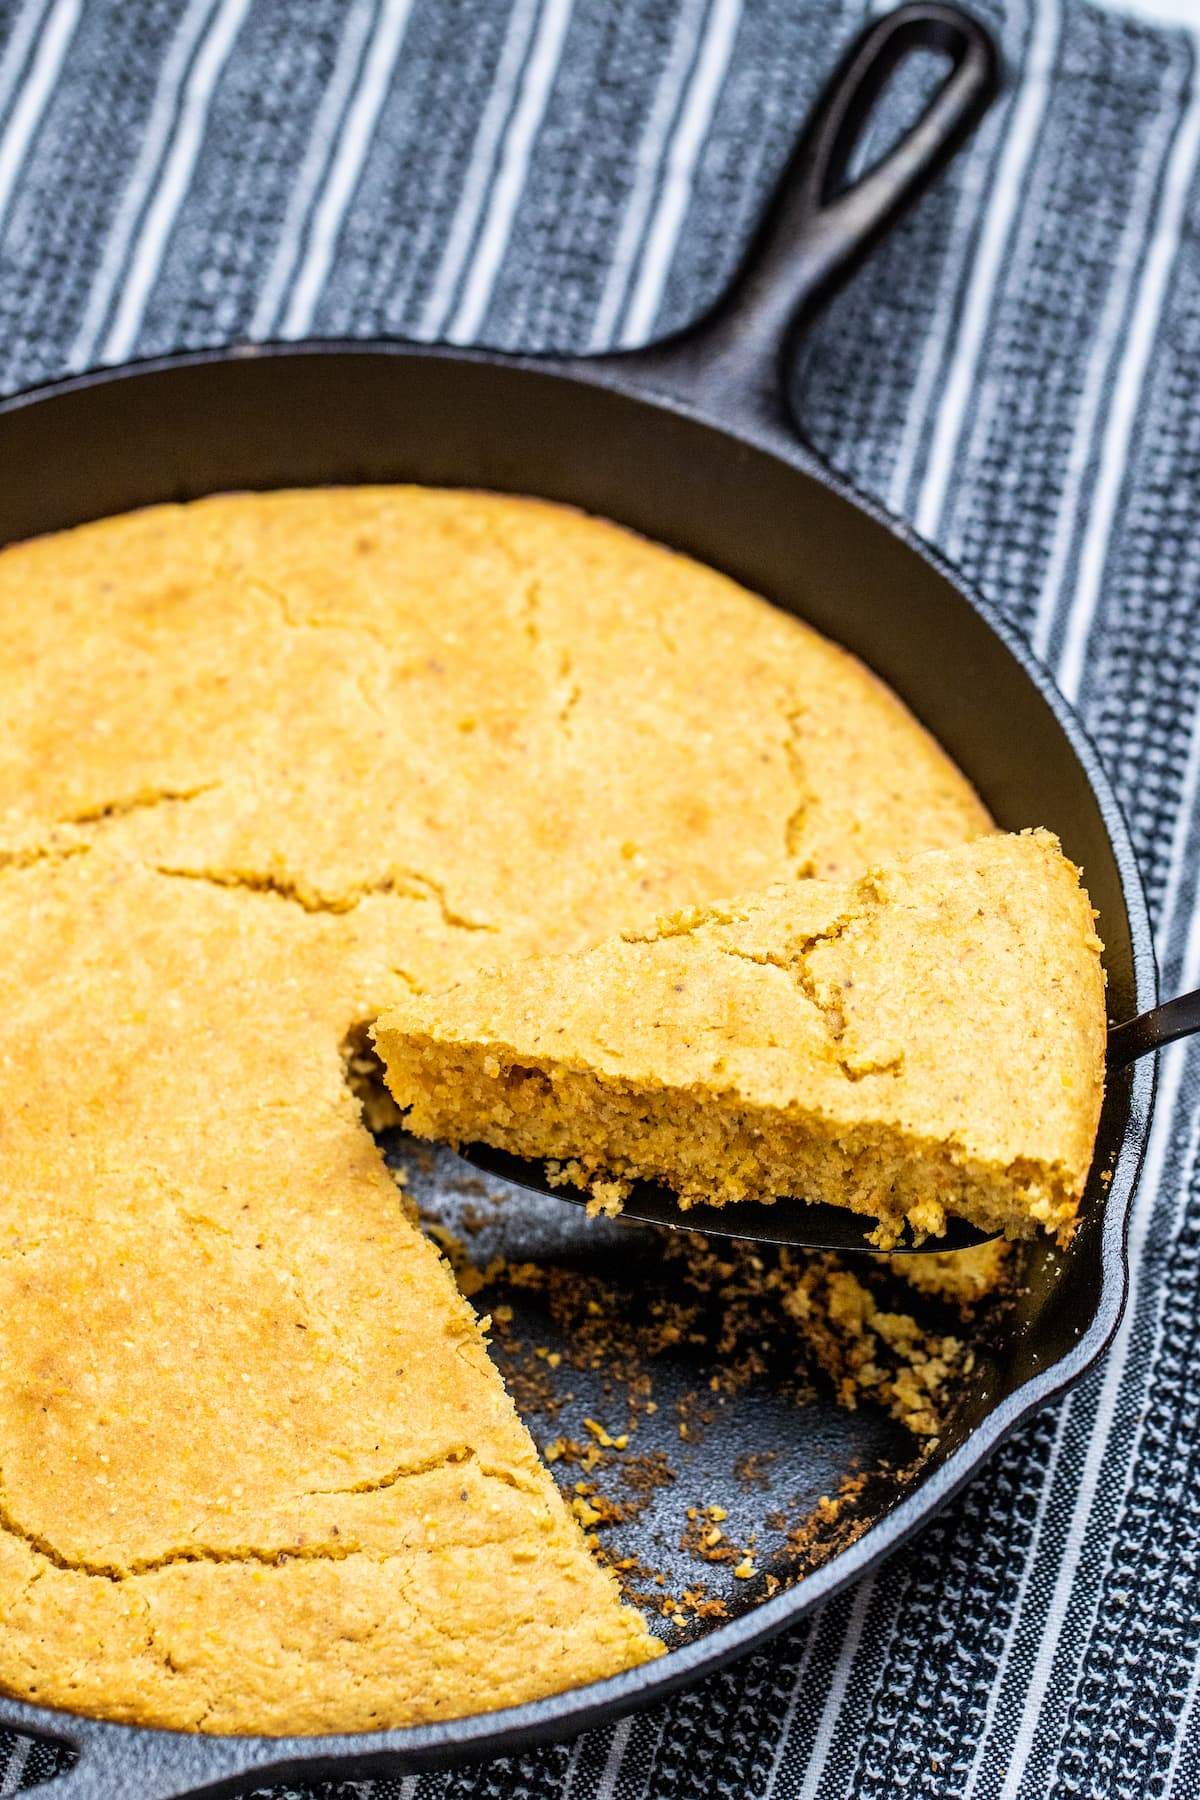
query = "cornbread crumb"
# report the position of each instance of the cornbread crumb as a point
(964, 1277)
(865, 1349)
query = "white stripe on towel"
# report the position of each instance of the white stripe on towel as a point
(506, 187)
(314, 167)
(695, 117)
(1009, 187)
(354, 140)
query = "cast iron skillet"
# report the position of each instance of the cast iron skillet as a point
(689, 443)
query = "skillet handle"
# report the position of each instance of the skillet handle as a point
(124, 1762)
(818, 228)
(1153, 1030)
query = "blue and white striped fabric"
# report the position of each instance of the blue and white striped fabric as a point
(1018, 372)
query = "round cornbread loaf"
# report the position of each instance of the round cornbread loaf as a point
(267, 763)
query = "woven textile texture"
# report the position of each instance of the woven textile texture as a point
(1017, 372)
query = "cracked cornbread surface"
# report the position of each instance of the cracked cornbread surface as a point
(926, 1040)
(267, 764)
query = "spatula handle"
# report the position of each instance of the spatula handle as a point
(1152, 1030)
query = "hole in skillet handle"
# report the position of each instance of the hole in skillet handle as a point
(825, 218)
(88, 1759)
(801, 1224)
(840, 209)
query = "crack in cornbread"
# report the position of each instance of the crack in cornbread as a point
(406, 883)
(794, 961)
(929, 1039)
(267, 763)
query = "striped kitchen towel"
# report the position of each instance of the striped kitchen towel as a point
(1018, 372)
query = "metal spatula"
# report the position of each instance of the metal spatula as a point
(814, 1225)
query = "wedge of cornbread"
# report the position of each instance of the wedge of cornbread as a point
(926, 1040)
(259, 1473)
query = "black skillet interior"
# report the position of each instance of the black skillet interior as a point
(635, 439)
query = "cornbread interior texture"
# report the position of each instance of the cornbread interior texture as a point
(924, 1040)
(268, 765)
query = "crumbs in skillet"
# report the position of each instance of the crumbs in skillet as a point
(748, 1314)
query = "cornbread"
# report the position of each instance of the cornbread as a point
(926, 1040)
(268, 764)
(962, 1277)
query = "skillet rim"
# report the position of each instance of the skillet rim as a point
(521, 1727)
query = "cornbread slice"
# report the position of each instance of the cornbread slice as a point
(926, 1040)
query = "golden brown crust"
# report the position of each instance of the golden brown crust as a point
(337, 680)
(267, 763)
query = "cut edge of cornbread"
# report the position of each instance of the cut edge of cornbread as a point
(736, 1151)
